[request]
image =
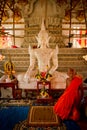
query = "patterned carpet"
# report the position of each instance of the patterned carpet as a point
(13, 112)
(14, 116)
(43, 118)
(23, 126)
(12, 102)
(10, 116)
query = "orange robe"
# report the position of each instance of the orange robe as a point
(67, 105)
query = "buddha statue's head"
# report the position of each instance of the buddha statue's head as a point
(43, 37)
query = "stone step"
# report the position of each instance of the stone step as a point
(61, 63)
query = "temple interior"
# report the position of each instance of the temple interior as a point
(65, 22)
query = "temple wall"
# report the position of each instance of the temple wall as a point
(54, 16)
(67, 57)
(52, 13)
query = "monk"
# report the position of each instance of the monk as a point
(68, 105)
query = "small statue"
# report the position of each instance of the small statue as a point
(9, 68)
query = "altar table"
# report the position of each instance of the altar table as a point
(13, 85)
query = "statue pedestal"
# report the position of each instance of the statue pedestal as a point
(41, 84)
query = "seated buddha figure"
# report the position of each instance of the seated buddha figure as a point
(43, 55)
(44, 59)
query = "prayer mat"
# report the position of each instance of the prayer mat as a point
(42, 116)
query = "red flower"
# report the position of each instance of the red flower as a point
(43, 74)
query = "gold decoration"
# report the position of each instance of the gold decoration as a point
(44, 93)
(9, 68)
(5, 16)
(67, 16)
(17, 15)
(80, 16)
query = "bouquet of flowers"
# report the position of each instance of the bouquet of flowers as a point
(43, 76)
(44, 93)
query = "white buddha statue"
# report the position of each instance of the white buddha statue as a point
(46, 58)
(43, 54)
